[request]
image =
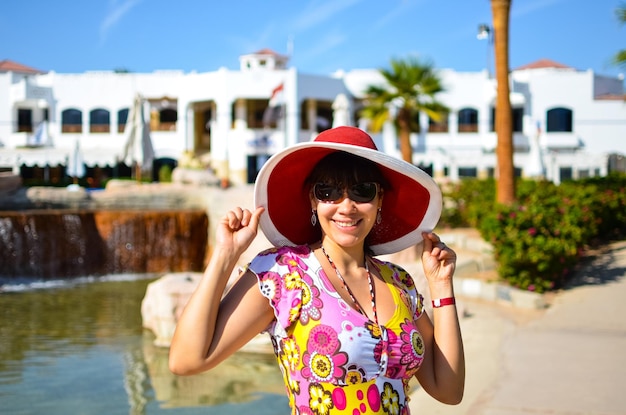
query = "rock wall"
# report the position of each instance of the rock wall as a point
(69, 243)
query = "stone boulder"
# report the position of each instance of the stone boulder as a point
(164, 302)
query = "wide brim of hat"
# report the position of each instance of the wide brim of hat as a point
(411, 206)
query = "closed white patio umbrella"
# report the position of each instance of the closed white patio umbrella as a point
(138, 150)
(75, 163)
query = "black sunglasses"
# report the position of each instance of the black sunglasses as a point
(360, 192)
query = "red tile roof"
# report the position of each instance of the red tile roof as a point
(542, 64)
(10, 66)
(266, 51)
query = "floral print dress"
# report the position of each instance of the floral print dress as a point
(334, 359)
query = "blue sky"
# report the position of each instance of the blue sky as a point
(326, 35)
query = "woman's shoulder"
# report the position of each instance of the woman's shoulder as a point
(289, 256)
(395, 273)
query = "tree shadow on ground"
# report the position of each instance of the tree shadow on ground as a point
(602, 266)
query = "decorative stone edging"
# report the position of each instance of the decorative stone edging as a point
(499, 292)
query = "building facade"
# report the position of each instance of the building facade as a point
(568, 123)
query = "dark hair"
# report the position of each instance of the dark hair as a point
(345, 169)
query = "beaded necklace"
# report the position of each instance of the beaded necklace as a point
(371, 284)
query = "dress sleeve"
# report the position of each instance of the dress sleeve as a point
(408, 291)
(278, 282)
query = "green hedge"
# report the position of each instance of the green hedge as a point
(540, 240)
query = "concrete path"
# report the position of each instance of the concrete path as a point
(567, 359)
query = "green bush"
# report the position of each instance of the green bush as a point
(540, 239)
(165, 174)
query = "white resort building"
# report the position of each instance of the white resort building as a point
(568, 123)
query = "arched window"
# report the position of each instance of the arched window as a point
(468, 120)
(122, 118)
(440, 126)
(99, 121)
(71, 121)
(559, 120)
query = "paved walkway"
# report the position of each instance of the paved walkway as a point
(569, 358)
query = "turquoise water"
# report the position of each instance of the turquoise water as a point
(77, 347)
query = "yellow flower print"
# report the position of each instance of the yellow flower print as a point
(291, 354)
(292, 280)
(306, 294)
(320, 401)
(355, 375)
(390, 400)
(374, 329)
(321, 366)
(294, 386)
(418, 344)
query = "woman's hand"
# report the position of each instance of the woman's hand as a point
(438, 259)
(442, 373)
(237, 229)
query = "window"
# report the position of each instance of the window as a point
(559, 120)
(440, 126)
(323, 115)
(71, 121)
(468, 172)
(255, 110)
(416, 124)
(468, 120)
(324, 119)
(167, 119)
(518, 120)
(122, 118)
(24, 120)
(566, 173)
(163, 114)
(99, 121)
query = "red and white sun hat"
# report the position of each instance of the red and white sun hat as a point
(411, 205)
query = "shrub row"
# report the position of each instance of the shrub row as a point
(540, 240)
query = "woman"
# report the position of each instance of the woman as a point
(349, 330)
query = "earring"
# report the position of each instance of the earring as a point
(313, 217)
(379, 217)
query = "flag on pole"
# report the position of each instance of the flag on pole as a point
(277, 97)
(273, 112)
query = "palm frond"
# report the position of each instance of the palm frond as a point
(620, 58)
(621, 13)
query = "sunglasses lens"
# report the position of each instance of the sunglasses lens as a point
(360, 193)
(363, 192)
(327, 193)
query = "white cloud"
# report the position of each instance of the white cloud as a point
(398, 11)
(117, 10)
(520, 8)
(324, 44)
(318, 12)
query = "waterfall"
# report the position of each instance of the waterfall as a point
(64, 243)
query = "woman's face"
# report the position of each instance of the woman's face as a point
(346, 219)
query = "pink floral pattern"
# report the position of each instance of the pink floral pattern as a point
(334, 360)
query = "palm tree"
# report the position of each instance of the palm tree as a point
(505, 187)
(411, 86)
(620, 57)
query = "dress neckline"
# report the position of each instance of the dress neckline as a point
(358, 306)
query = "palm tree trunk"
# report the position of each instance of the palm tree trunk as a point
(505, 188)
(404, 135)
